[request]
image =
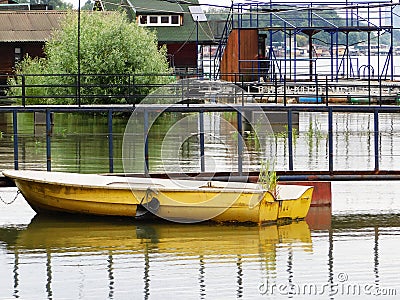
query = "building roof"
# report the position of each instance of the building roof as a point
(157, 6)
(29, 26)
(188, 32)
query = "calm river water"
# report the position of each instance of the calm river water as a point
(348, 251)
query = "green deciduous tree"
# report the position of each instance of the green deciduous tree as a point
(110, 48)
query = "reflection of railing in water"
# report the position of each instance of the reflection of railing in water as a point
(110, 246)
(331, 173)
(114, 242)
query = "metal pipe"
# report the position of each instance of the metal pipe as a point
(376, 139)
(326, 90)
(330, 139)
(146, 142)
(48, 140)
(78, 86)
(110, 142)
(202, 158)
(205, 108)
(240, 142)
(23, 92)
(290, 139)
(15, 139)
(334, 177)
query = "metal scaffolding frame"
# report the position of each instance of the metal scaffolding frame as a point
(336, 22)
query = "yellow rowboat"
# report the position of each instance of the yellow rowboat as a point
(175, 200)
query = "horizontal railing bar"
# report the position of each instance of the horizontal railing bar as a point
(338, 175)
(203, 108)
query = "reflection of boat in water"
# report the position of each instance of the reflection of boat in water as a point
(177, 200)
(135, 254)
(60, 234)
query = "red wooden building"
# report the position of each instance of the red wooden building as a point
(24, 32)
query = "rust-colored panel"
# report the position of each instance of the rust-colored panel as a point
(322, 195)
(242, 45)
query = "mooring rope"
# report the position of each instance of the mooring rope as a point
(15, 198)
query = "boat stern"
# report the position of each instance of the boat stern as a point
(296, 206)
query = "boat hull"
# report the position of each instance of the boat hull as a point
(294, 209)
(198, 201)
(47, 197)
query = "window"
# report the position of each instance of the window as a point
(175, 20)
(142, 20)
(159, 20)
(17, 55)
(164, 19)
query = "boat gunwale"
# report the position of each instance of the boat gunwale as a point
(154, 186)
(131, 185)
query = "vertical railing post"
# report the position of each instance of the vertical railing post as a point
(15, 131)
(146, 142)
(290, 138)
(376, 139)
(23, 91)
(48, 139)
(202, 158)
(110, 142)
(284, 90)
(240, 142)
(380, 90)
(129, 90)
(330, 139)
(326, 91)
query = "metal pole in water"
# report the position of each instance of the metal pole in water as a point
(330, 139)
(290, 139)
(202, 160)
(376, 139)
(146, 142)
(240, 142)
(15, 131)
(48, 139)
(110, 142)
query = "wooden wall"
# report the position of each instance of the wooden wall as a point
(242, 45)
(7, 56)
(185, 56)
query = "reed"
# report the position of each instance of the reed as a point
(268, 178)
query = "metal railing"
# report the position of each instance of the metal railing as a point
(331, 173)
(276, 95)
(131, 89)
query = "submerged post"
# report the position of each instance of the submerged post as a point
(376, 139)
(290, 138)
(240, 142)
(48, 139)
(146, 142)
(202, 160)
(330, 139)
(110, 142)
(15, 131)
